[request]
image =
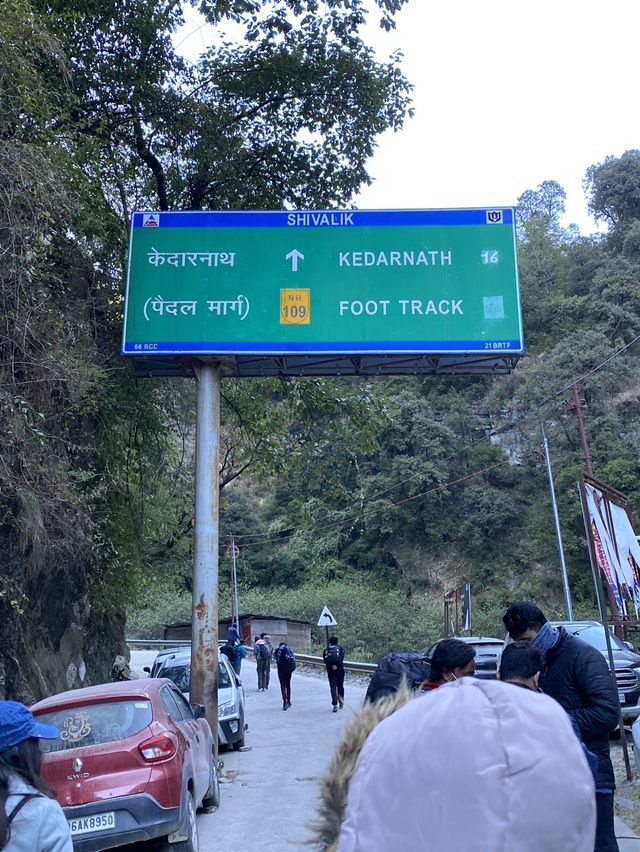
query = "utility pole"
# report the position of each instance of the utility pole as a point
(556, 518)
(577, 406)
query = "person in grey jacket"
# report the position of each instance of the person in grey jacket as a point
(30, 820)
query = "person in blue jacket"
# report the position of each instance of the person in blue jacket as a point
(30, 818)
(241, 653)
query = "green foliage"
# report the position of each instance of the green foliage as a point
(373, 496)
(614, 188)
(162, 604)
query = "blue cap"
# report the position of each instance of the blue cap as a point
(18, 724)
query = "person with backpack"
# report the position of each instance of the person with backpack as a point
(286, 663)
(229, 650)
(30, 818)
(333, 656)
(263, 662)
(241, 653)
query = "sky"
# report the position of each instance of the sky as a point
(507, 94)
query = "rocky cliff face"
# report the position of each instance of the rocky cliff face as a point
(51, 638)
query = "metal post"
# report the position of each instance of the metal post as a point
(603, 616)
(556, 518)
(204, 629)
(236, 600)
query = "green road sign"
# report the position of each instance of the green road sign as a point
(313, 283)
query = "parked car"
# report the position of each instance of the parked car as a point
(487, 650)
(626, 660)
(162, 657)
(231, 699)
(133, 762)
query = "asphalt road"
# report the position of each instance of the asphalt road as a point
(269, 792)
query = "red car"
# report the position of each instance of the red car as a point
(133, 762)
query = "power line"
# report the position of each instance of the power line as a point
(258, 539)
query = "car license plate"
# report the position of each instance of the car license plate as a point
(97, 822)
(622, 697)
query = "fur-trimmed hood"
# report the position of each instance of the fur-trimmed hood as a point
(474, 765)
(335, 784)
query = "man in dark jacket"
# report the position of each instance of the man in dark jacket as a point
(333, 656)
(577, 676)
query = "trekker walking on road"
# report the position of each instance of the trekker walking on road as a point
(30, 819)
(578, 677)
(333, 656)
(230, 652)
(241, 653)
(286, 663)
(263, 663)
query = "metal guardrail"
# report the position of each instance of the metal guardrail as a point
(303, 659)
(349, 665)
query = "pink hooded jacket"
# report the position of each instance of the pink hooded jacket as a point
(474, 765)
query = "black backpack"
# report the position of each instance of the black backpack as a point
(332, 656)
(286, 661)
(393, 669)
(230, 652)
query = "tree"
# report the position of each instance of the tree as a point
(287, 117)
(614, 190)
(545, 203)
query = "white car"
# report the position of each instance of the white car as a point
(176, 665)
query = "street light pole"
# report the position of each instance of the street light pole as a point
(556, 518)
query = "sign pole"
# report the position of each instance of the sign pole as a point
(236, 602)
(204, 625)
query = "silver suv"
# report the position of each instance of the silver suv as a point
(176, 665)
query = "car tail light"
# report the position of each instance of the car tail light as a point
(156, 749)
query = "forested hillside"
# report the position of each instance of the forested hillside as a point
(370, 496)
(100, 115)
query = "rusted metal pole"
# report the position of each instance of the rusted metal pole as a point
(204, 624)
(577, 407)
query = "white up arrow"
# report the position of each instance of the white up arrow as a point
(294, 256)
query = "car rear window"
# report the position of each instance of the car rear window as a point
(487, 650)
(181, 676)
(93, 724)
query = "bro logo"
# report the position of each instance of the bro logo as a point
(494, 217)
